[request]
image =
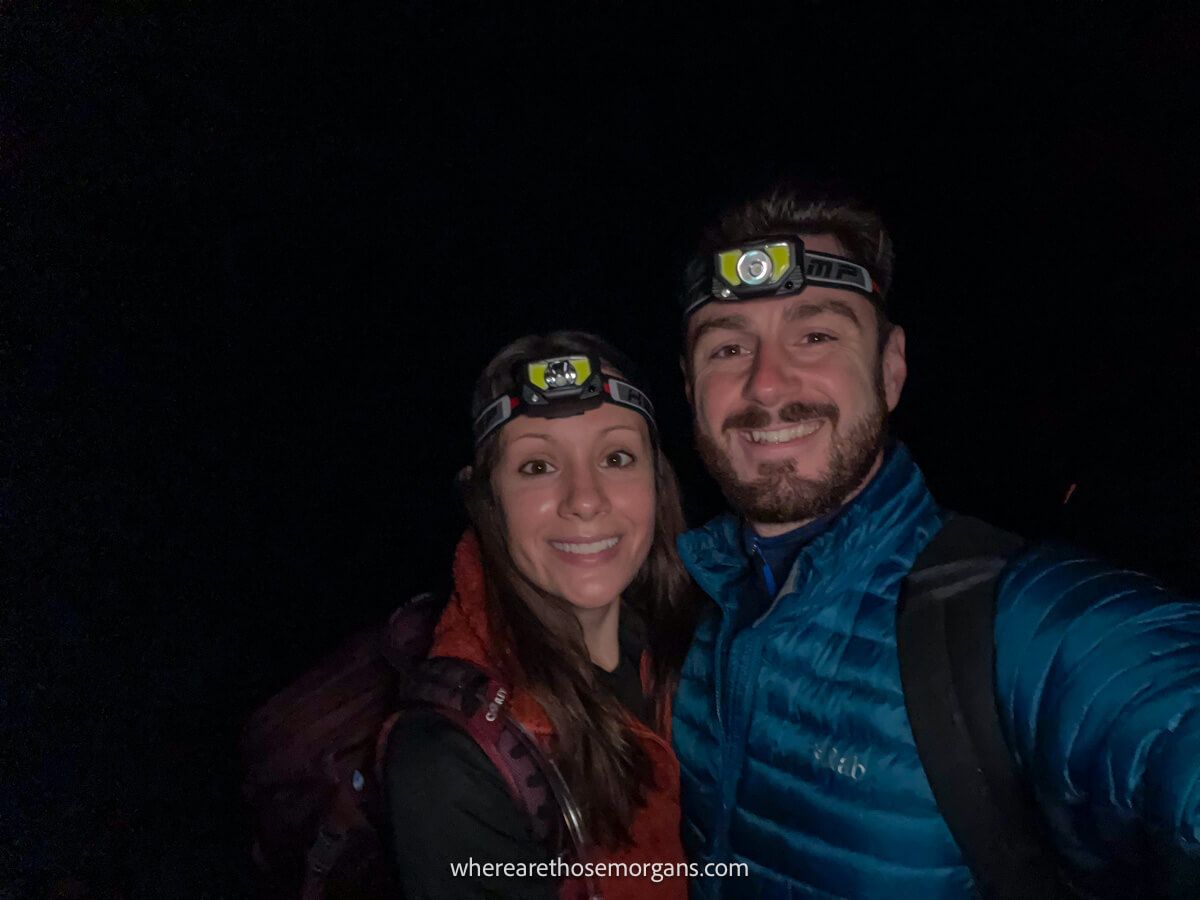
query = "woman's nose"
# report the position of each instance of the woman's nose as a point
(584, 497)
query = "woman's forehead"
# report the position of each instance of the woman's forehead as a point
(605, 420)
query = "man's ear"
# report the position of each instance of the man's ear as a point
(687, 381)
(895, 367)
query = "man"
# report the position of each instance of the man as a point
(798, 756)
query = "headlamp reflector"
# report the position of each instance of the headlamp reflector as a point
(755, 267)
(559, 373)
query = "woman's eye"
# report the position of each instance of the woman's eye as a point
(619, 459)
(536, 467)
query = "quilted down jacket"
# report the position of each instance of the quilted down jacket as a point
(796, 753)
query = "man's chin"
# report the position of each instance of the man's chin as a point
(782, 496)
(750, 473)
(794, 488)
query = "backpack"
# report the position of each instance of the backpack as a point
(312, 759)
(945, 638)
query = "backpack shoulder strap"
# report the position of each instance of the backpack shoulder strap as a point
(474, 702)
(945, 636)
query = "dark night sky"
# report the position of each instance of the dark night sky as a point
(251, 262)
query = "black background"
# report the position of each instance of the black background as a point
(253, 259)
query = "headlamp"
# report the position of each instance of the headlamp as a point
(775, 267)
(560, 386)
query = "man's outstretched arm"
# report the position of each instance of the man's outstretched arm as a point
(1098, 686)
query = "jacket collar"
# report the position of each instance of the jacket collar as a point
(465, 632)
(875, 524)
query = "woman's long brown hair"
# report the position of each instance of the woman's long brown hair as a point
(543, 651)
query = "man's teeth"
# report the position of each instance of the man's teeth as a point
(593, 547)
(785, 434)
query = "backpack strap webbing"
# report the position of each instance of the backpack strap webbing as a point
(945, 636)
(474, 702)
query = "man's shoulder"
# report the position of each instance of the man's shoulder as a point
(719, 533)
(964, 537)
(1049, 575)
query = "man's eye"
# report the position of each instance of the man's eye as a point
(619, 459)
(536, 467)
(818, 337)
(728, 351)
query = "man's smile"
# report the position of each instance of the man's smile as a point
(783, 435)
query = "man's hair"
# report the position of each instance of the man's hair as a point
(803, 209)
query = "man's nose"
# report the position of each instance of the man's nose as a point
(771, 377)
(585, 497)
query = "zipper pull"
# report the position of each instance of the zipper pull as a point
(767, 574)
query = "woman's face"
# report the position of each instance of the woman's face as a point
(578, 501)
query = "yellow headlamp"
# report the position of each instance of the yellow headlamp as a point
(773, 267)
(765, 265)
(560, 386)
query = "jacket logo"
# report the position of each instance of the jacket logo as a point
(851, 765)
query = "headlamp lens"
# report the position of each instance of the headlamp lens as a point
(755, 267)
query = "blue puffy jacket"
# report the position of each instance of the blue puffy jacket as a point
(796, 752)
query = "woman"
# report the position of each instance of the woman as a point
(568, 590)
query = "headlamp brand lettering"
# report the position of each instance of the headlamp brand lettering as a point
(817, 268)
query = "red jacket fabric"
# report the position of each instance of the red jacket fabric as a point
(464, 633)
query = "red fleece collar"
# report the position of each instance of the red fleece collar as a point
(465, 632)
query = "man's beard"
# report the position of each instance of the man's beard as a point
(779, 495)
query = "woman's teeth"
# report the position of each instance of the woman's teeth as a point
(785, 434)
(593, 547)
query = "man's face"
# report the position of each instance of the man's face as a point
(791, 397)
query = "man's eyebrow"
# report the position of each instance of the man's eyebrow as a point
(733, 322)
(799, 311)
